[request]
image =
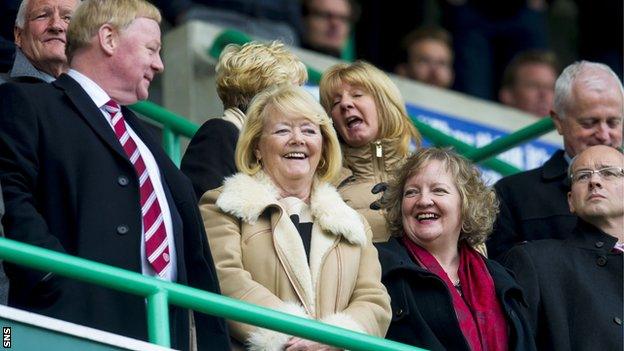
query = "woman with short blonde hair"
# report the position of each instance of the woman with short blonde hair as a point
(281, 235)
(288, 102)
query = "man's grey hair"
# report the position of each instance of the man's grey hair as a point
(20, 19)
(570, 76)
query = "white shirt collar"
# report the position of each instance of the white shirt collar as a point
(95, 92)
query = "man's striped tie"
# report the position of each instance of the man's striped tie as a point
(156, 245)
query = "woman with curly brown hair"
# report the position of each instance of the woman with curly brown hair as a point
(446, 295)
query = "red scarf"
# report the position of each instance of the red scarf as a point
(479, 312)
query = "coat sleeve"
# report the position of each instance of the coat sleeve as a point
(19, 172)
(369, 308)
(519, 261)
(224, 236)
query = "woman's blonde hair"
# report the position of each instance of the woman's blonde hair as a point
(293, 101)
(92, 14)
(244, 71)
(394, 123)
(479, 204)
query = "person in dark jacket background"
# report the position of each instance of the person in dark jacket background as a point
(588, 110)
(445, 295)
(574, 286)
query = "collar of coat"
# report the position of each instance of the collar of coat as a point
(247, 197)
(556, 167)
(234, 116)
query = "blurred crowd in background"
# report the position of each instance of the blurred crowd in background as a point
(506, 51)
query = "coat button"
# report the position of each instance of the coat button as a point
(617, 320)
(122, 229)
(599, 244)
(399, 312)
(601, 261)
(123, 180)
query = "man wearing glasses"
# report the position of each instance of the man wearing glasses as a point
(327, 24)
(588, 110)
(573, 286)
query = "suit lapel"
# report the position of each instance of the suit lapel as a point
(90, 113)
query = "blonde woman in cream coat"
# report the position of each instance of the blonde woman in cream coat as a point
(281, 235)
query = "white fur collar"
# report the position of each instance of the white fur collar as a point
(246, 197)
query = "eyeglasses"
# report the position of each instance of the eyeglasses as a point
(607, 173)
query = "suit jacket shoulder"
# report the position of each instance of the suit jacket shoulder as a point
(533, 206)
(209, 158)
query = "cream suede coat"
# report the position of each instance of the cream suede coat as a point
(370, 164)
(260, 259)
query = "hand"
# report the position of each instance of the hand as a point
(378, 204)
(299, 344)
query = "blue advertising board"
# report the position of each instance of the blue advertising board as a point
(526, 156)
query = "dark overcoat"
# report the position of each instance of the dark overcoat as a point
(533, 206)
(422, 307)
(209, 157)
(574, 290)
(69, 186)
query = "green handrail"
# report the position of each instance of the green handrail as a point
(175, 125)
(173, 121)
(159, 293)
(433, 135)
(440, 139)
(510, 141)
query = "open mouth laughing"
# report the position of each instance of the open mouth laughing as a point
(427, 216)
(295, 156)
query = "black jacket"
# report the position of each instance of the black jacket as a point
(574, 290)
(422, 307)
(69, 186)
(533, 206)
(209, 158)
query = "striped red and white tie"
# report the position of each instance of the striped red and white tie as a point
(156, 245)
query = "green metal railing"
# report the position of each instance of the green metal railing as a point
(159, 293)
(175, 125)
(510, 141)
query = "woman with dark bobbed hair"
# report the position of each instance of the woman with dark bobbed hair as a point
(445, 295)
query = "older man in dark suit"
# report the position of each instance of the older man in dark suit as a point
(588, 110)
(574, 286)
(81, 175)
